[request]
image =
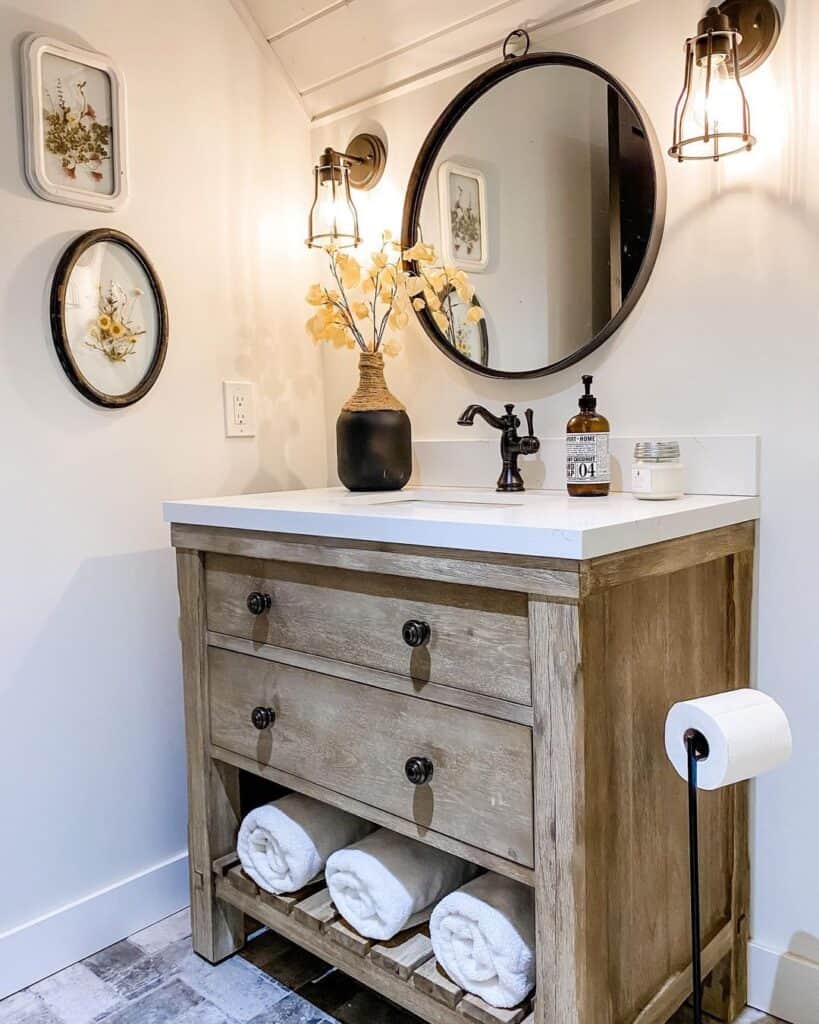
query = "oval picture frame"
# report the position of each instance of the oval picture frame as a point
(59, 331)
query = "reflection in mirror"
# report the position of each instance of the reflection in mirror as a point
(544, 191)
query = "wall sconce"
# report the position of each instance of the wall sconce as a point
(333, 217)
(712, 118)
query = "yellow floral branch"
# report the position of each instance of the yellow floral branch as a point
(388, 291)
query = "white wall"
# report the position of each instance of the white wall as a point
(723, 341)
(91, 730)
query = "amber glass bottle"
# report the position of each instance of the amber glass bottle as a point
(588, 473)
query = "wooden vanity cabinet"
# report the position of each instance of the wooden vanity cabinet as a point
(539, 695)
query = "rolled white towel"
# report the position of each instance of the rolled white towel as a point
(284, 844)
(483, 936)
(386, 882)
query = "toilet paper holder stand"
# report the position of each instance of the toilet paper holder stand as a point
(697, 749)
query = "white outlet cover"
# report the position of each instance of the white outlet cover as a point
(239, 401)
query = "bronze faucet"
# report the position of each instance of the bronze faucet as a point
(512, 445)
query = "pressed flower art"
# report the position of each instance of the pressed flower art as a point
(115, 333)
(73, 133)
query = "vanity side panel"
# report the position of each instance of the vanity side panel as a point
(726, 991)
(647, 644)
(213, 787)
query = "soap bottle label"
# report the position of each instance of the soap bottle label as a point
(587, 459)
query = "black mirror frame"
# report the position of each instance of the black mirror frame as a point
(59, 283)
(425, 161)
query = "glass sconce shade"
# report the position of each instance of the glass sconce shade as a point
(333, 217)
(712, 118)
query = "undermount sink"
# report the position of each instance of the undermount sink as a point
(454, 503)
(462, 500)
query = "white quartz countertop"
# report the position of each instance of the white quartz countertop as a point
(542, 523)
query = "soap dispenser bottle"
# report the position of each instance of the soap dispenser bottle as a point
(588, 473)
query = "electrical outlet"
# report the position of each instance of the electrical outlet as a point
(240, 408)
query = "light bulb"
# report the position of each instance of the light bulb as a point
(717, 104)
(334, 210)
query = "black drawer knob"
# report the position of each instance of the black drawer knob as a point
(258, 604)
(262, 718)
(419, 770)
(415, 633)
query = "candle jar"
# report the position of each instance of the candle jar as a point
(657, 473)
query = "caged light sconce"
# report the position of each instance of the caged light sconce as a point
(712, 118)
(333, 218)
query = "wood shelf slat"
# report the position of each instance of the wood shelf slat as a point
(404, 954)
(223, 864)
(237, 878)
(477, 1009)
(432, 980)
(316, 911)
(341, 932)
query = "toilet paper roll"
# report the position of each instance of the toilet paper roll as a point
(747, 732)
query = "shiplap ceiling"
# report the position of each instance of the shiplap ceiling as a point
(339, 53)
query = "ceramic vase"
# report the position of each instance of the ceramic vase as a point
(373, 433)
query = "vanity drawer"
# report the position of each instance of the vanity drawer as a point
(478, 638)
(356, 740)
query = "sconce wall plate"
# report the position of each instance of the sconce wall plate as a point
(372, 154)
(759, 23)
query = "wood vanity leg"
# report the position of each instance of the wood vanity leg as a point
(557, 683)
(727, 989)
(213, 787)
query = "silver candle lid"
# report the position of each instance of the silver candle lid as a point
(657, 451)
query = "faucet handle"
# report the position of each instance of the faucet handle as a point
(531, 444)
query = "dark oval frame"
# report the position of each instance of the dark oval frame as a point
(59, 335)
(425, 161)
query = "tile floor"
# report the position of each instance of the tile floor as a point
(154, 977)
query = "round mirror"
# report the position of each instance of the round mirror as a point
(543, 184)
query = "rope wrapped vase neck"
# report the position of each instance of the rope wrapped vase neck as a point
(372, 392)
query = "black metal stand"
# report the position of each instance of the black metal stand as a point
(697, 748)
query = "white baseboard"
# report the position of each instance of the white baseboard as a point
(41, 947)
(783, 984)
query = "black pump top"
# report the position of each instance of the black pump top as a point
(588, 403)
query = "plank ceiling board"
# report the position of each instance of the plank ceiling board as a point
(275, 17)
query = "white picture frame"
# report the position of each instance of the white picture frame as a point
(465, 240)
(67, 87)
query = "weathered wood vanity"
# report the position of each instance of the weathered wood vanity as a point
(531, 664)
